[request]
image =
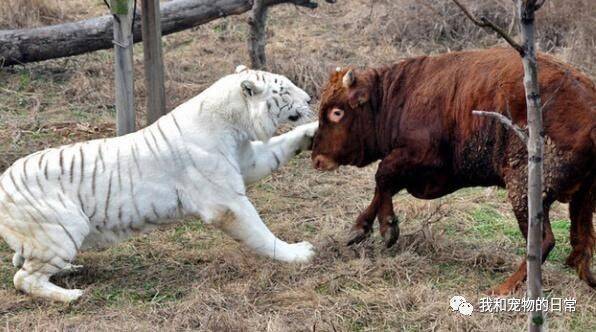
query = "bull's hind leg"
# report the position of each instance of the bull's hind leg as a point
(34, 279)
(582, 237)
(520, 209)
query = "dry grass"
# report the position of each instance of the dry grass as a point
(192, 277)
(29, 13)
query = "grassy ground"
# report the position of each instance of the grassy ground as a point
(192, 277)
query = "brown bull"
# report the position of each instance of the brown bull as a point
(416, 116)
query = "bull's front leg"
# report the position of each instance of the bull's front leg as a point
(387, 185)
(364, 223)
(259, 159)
(381, 207)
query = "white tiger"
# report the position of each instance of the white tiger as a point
(194, 161)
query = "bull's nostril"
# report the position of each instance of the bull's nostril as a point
(317, 163)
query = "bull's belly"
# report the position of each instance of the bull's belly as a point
(432, 186)
(436, 184)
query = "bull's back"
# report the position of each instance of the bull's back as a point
(442, 91)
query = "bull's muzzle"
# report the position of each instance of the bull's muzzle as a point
(324, 163)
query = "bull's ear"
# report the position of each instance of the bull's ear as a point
(348, 79)
(249, 88)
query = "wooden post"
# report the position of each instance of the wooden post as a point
(154, 71)
(257, 35)
(123, 41)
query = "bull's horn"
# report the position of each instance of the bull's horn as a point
(348, 79)
(338, 69)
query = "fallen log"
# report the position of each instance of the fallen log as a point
(61, 40)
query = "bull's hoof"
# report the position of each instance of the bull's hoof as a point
(391, 234)
(585, 274)
(357, 235)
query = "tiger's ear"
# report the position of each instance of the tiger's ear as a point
(240, 68)
(250, 88)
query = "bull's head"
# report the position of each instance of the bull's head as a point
(346, 131)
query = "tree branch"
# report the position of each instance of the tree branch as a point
(486, 23)
(506, 122)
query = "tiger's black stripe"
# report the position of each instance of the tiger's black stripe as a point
(149, 146)
(61, 161)
(170, 147)
(107, 204)
(118, 167)
(100, 153)
(82, 164)
(72, 162)
(134, 149)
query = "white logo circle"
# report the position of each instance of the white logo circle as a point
(459, 303)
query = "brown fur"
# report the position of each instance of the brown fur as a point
(416, 116)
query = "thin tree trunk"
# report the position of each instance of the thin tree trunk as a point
(257, 35)
(526, 10)
(534, 144)
(57, 41)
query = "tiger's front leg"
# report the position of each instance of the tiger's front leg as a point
(242, 222)
(259, 159)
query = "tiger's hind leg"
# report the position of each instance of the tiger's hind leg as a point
(47, 249)
(69, 269)
(34, 279)
(18, 260)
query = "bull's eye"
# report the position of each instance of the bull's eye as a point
(335, 115)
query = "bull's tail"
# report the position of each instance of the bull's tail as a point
(593, 139)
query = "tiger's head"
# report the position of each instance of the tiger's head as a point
(272, 100)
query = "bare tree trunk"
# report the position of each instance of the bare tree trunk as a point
(257, 35)
(534, 145)
(57, 41)
(124, 87)
(526, 10)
